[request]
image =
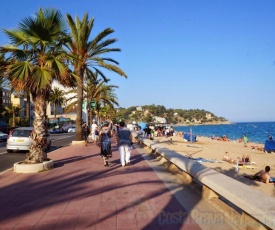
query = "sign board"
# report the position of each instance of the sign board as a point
(92, 104)
(84, 105)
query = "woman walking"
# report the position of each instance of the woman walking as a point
(105, 135)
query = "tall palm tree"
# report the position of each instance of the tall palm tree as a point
(57, 97)
(35, 60)
(89, 54)
(13, 112)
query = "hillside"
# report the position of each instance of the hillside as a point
(159, 114)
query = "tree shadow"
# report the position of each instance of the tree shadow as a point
(62, 162)
(136, 193)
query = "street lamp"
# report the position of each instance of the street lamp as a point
(88, 104)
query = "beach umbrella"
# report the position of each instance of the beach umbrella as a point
(142, 125)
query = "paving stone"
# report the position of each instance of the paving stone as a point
(80, 193)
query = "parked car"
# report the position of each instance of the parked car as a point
(19, 139)
(71, 129)
(56, 130)
(3, 136)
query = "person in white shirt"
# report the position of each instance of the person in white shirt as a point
(93, 128)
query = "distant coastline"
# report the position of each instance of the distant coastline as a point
(206, 123)
(256, 132)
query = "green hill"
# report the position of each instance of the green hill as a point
(153, 113)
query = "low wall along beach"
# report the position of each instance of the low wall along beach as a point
(233, 186)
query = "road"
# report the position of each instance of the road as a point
(8, 159)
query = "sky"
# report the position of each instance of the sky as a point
(216, 55)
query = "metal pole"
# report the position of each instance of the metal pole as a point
(190, 134)
(87, 121)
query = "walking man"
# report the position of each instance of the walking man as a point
(124, 141)
(93, 132)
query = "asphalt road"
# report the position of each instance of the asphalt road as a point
(8, 159)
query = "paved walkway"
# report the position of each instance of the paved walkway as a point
(80, 193)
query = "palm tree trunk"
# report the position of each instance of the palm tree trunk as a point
(28, 109)
(78, 124)
(54, 109)
(13, 119)
(37, 152)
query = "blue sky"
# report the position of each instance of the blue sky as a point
(187, 54)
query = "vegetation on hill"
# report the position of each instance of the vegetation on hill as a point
(147, 113)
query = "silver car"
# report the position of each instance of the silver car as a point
(71, 129)
(19, 139)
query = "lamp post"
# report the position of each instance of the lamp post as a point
(191, 133)
(90, 104)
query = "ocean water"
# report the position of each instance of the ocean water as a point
(255, 131)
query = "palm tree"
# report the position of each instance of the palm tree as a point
(89, 54)
(106, 100)
(35, 60)
(97, 91)
(3, 81)
(13, 112)
(57, 97)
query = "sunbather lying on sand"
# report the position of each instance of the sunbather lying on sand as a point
(263, 176)
(227, 158)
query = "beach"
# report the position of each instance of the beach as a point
(214, 150)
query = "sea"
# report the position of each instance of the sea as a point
(256, 132)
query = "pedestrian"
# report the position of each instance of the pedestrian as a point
(85, 133)
(105, 135)
(96, 136)
(124, 142)
(245, 139)
(147, 131)
(93, 132)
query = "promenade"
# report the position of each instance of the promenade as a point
(80, 193)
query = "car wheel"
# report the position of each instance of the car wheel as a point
(9, 151)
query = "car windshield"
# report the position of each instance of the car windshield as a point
(21, 133)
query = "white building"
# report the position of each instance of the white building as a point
(139, 108)
(160, 120)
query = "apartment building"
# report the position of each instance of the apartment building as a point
(5, 97)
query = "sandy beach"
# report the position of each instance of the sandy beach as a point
(210, 149)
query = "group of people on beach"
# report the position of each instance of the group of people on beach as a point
(222, 138)
(245, 159)
(262, 175)
(102, 135)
